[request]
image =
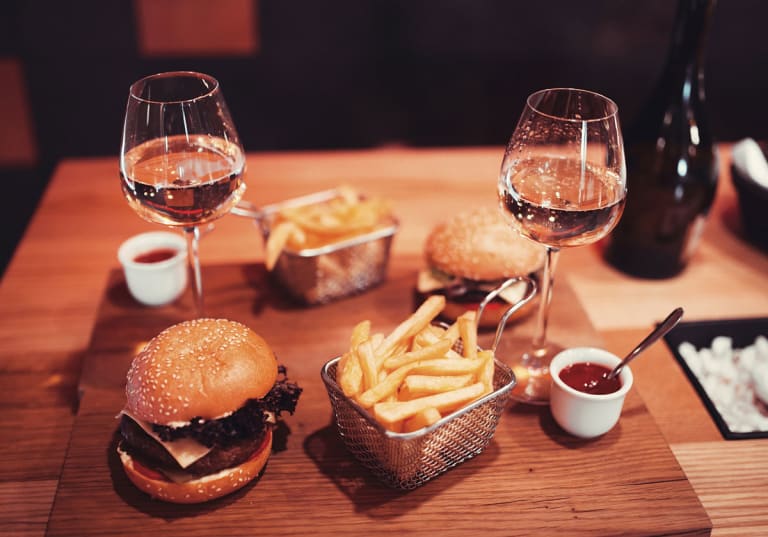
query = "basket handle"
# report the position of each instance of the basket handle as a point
(530, 292)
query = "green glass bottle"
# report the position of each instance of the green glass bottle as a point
(672, 162)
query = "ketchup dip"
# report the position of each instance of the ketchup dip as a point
(155, 256)
(589, 378)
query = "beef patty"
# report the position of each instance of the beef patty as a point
(147, 450)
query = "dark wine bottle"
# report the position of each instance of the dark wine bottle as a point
(672, 162)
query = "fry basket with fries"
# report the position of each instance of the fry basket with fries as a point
(341, 259)
(421, 400)
(409, 460)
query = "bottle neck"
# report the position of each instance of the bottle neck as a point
(685, 59)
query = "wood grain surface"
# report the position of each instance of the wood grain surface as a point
(52, 293)
(532, 478)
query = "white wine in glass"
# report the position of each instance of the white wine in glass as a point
(562, 184)
(181, 161)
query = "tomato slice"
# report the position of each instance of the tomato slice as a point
(148, 472)
(492, 305)
(261, 447)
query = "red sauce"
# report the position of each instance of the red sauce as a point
(589, 378)
(155, 256)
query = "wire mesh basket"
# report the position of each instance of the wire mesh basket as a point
(409, 460)
(327, 273)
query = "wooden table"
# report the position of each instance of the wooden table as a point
(52, 290)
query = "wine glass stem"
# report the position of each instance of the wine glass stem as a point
(548, 280)
(193, 258)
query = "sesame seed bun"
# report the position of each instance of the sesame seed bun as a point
(201, 368)
(471, 253)
(201, 489)
(479, 244)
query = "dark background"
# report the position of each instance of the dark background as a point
(362, 73)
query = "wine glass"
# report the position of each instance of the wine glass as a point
(181, 161)
(562, 183)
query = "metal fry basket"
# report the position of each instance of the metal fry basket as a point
(321, 275)
(408, 460)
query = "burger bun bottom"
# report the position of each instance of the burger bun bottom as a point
(202, 489)
(491, 315)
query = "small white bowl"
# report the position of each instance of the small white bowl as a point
(582, 414)
(155, 283)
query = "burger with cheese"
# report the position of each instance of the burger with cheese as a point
(202, 399)
(471, 254)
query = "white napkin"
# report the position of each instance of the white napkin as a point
(750, 161)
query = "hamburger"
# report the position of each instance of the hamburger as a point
(471, 254)
(202, 399)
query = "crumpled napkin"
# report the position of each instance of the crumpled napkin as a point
(749, 160)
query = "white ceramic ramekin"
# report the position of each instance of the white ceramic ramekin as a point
(582, 414)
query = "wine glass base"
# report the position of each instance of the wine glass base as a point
(532, 375)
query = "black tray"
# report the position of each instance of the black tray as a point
(700, 334)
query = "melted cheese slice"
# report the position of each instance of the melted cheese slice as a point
(429, 280)
(514, 293)
(186, 451)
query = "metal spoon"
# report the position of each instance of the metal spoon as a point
(665, 326)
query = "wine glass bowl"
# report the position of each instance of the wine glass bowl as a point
(181, 161)
(562, 184)
(181, 181)
(549, 204)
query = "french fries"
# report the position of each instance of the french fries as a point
(412, 377)
(422, 419)
(327, 222)
(428, 384)
(392, 414)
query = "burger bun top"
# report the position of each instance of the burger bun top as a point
(479, 244)
(204, 368)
